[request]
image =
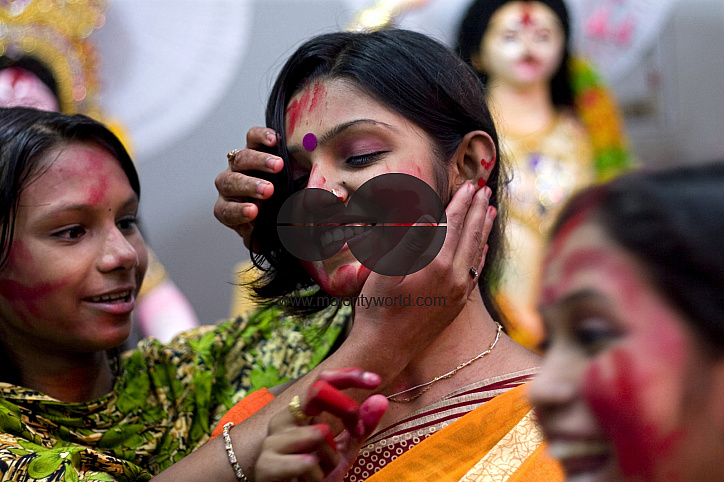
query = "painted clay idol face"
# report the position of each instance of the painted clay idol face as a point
(338, 138)
(523, 45)
(19, 88)
(77, 259)
(624, 393)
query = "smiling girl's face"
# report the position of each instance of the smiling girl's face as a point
(355, 138)
(627, 391)
(77, 258)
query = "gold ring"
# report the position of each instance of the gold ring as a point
(230, 156)
(295, 408)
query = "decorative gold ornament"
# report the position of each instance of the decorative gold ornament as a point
(381, 14)
(56, 32)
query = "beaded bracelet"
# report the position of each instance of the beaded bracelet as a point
(232, 456)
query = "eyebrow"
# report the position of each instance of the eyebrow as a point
(575, 297)
(79, 207)
(337, 130)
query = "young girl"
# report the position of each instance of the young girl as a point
(632, 386)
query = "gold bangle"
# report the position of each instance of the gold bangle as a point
(232, 456)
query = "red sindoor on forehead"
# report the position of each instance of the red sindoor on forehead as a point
(527, 17)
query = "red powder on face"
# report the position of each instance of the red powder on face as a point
(317, 96)
(527, 17)
(310, 99)
(19, 254)
(613, 393)
(295, 109)
(96, 191)
(29, 297)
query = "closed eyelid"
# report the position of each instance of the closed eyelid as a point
(339, 130)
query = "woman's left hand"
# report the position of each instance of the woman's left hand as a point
(296, 450)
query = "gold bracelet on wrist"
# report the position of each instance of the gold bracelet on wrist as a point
(232, 456)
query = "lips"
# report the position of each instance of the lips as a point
(121, 296)
(581, 458)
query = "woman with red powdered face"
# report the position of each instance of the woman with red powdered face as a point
(632, 385)
(352, 109)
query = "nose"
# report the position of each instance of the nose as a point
(118, 252)
(556, 384)
(327, 179)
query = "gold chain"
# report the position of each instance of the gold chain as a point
(427, 386)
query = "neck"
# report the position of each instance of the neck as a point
(520, 110)
(471, 333)
(76, 378)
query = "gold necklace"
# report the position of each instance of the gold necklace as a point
(428, 385)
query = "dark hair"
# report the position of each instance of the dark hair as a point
(673, 222)
(26, 135)
(409, 73)
(35, 67)
(475, 23)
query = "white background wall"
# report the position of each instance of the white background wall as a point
(189, 77)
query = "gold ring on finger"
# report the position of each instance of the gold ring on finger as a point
(295, 407)
(230, 156)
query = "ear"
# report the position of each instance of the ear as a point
(478, 62)
(473, 160)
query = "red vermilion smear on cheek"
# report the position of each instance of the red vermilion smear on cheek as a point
(19, 254)
(613, 393)
(31, 298)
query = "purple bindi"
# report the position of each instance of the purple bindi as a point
(309, 142)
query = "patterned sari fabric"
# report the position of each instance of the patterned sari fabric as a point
(396, 439)
(484, 431)
(164, 403)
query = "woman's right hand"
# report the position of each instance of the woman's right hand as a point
(240, 193)
(295, 450)
(446, 280)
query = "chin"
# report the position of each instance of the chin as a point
(341, 280)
